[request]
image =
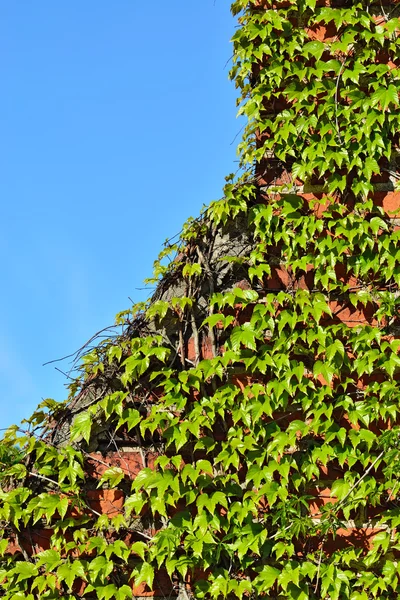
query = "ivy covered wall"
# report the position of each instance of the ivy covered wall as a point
(241, 437)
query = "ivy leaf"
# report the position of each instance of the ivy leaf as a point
(3, 546)
(115, 352)
(335, 349)
(50, 558)
(314, 48)
(139, 548)
(219, 587)
(371, 167)
(205, 465)
(113, 476)
(377, 223)
(17, 471)
(324, 369)
(68, 572)
(98, 543)
(135, 366)
(341, 435)
(244, 587)
(146, 575)
(340, 489)
(311, 4)
(100, 567)
(106, 592)
(385, 97)
(123, 593)
(45, 505)
(191, 269)
(290, 574)
(266, 578)
(81, 427)
(157, 309)
(25, 570)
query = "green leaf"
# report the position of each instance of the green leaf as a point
(266, 578)
(123, 592)
(324, 369)
(63, 507)
(106, 592)
(205, 465)
(314, 48)
(157, 309)
(81, 427)
(98, 543)
(340, 489)
(371, 167)
(100, 567)
(25, 570)
(191, 269)
(3, 546)
(70, 571)
(113, 476)
(146, 575)
(139, 548)
(50, 558)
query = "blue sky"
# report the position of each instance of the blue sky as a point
(116, 124)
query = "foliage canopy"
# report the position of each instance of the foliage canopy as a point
(259, 386)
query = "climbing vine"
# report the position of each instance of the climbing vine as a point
(241, 437)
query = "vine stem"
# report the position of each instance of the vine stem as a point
(24, 552)
(38, 476)
(357, 483)
(142, 454)
(337, 90)
(182, 344)
(195, 332)
(122, 459)
(319, 565)
(207, 269)
(338, 505)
